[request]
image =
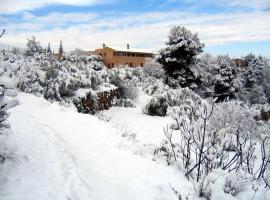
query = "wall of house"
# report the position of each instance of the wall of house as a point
(111, 61)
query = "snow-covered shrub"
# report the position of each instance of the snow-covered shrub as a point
(167, 150)
(153, 69)
(123, 79)
(31, 79)
(160, 102)
(52, 85)
(202, 139)
(7, 101)
(234, 116)
(232, 184)
(43, 74)
(157, 106)
(179, 56)
(154, 86)
(88, 103)
(124, 103)
(202, 188)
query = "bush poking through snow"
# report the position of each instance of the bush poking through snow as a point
(7, 100)
(202, 188)
(87, 104)
(157, 106)
(232, 185)
(161, 101)
(124, 103)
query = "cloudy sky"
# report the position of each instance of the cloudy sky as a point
(236, 27)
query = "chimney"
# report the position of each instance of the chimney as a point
(127, 46)
(103, 46)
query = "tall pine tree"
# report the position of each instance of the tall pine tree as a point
(179, 56)
(61, 50)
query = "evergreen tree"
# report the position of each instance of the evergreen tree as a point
(255, 71)
(49, 51)
(179, 56)
(61, 50)
(254, 80)
(225, 80)
(33, 46)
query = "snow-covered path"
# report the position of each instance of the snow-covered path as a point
(70, 156)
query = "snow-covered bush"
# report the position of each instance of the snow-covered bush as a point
(124, 80)
(202, 188)
(179, 56)
(232, 184)
(43, 74)
(88, 103)
(160, 102)
(157, 106)
(7, 100)
(234, 116)
(206, 136)
(153, 69)
(152, 85)
(124, 103)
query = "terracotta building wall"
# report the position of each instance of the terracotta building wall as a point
(111, 58)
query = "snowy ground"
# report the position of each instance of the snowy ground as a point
(65, 155)
(148, 129)
(62, 154)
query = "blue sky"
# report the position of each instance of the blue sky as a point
(234, 27)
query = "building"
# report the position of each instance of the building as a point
(241, 64)
(112, 57)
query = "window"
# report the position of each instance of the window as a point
(109, 66)
(130, 65)
(112, 65)
(141, 64)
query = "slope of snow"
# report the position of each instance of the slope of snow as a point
(148, 129)
(64, 155)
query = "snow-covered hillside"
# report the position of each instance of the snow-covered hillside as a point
(64, 155)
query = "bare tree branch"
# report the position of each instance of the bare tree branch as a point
(2, 33)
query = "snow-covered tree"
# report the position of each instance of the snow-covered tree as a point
(61, 50)
(226, 83)
(206, 67)
(266, 79)
(179, 56)
(255, 70)
(49, 51)
(33, 46)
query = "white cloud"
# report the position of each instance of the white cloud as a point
(13, 6)
(255, 4)
(145, 30)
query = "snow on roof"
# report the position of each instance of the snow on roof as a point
(135, 50)
(132, 50)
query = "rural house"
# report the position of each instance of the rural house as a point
(112, 57)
